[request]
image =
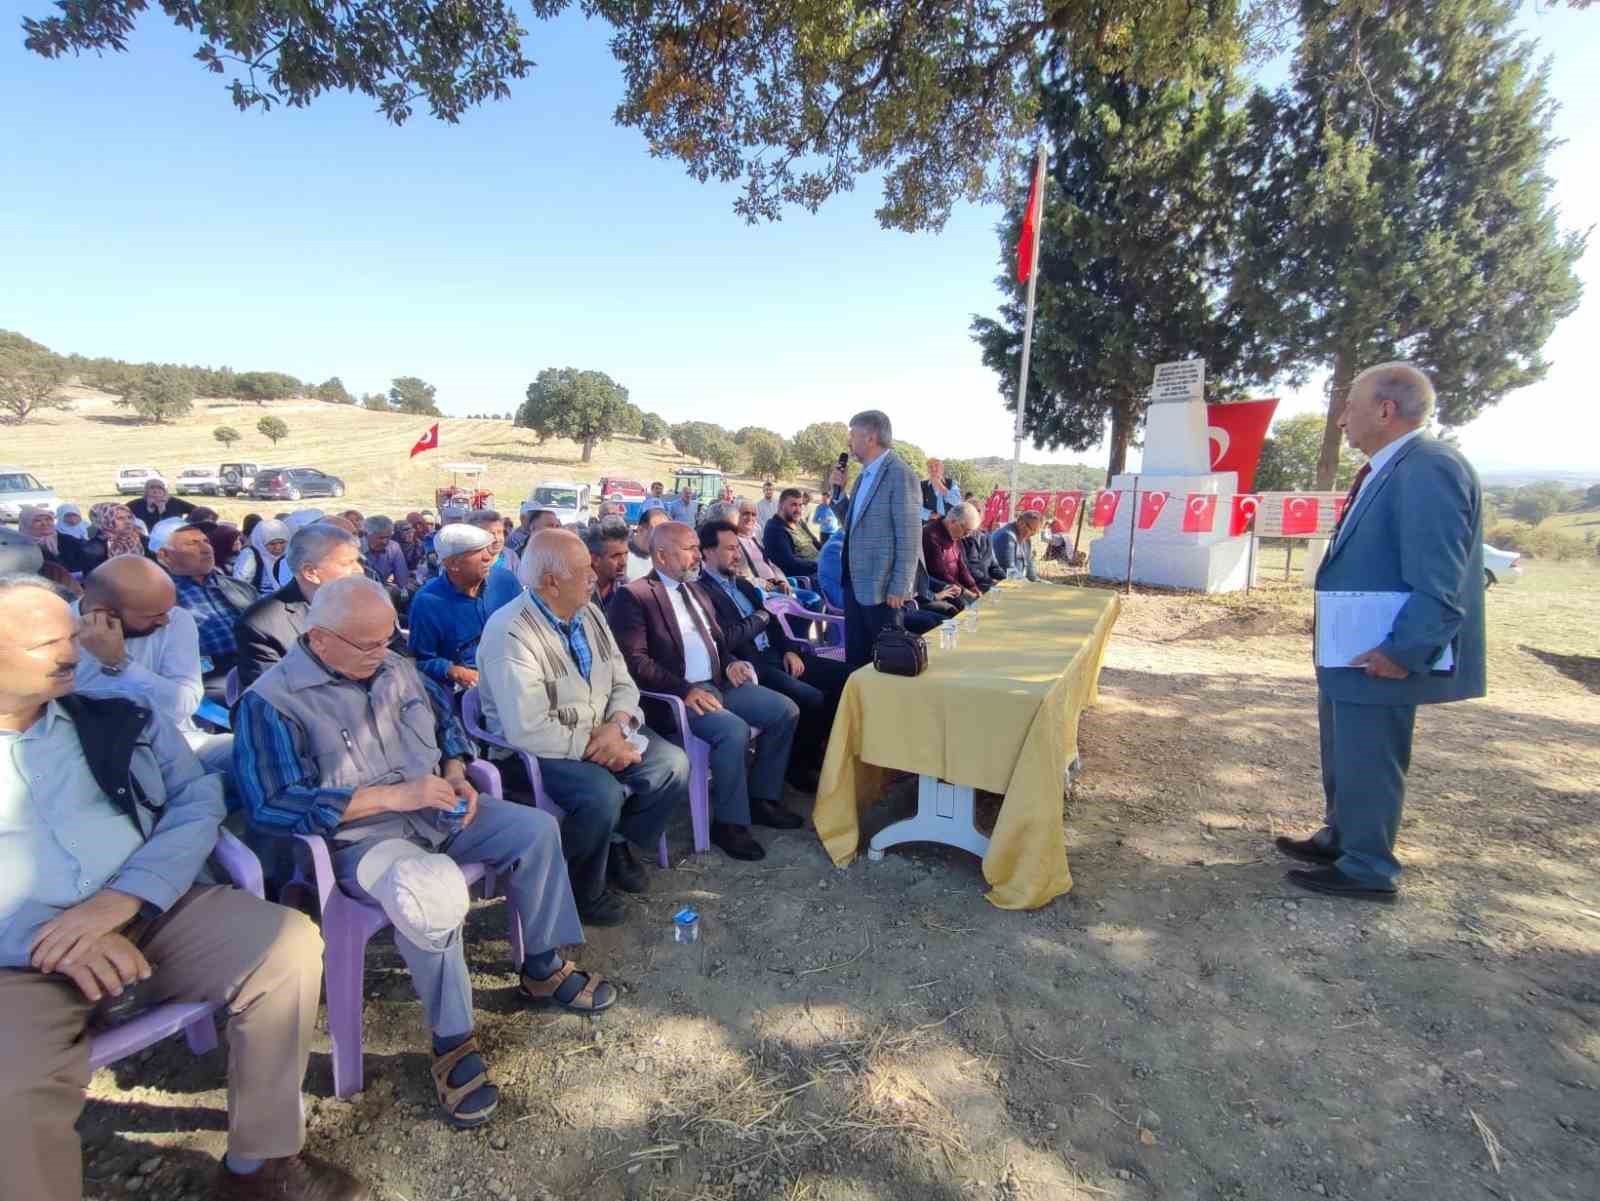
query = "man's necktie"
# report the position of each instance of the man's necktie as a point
(705, 634)
(1349, 500)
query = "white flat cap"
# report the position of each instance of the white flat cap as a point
(460, 539)
(164, 530)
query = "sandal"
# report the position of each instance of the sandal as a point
(588, 999)
(451, 1096)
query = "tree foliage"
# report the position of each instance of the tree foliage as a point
(376, 402)
(816, 448)
(262, 386)
(1138, 244)
(1290, 455)
(793, 101)
(414, 396)
(160, 394)
(721, 449)
(585, 406)
(226, 435)
(30, 378)
(334, 392)
(695, 438)
(769, 453)
(652, 427)
(1400, 207)
(273, 428)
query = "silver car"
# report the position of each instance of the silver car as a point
(20, 488)
(1500, 566)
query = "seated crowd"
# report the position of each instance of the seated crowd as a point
(316, 674)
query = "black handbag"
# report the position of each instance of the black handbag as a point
(899, 652)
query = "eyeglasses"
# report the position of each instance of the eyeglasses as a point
(356, 646)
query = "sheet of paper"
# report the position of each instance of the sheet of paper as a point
(1352, 623)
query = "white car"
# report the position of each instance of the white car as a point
(20, 488)
(1500, 565)
(569, 501)
(198, 479)
(131, 480)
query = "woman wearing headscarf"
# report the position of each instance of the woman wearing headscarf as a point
(248, 526)
(226, 540)
(70, 522)
(115, 533)
(262, 562)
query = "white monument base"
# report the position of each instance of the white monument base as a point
(1165, 555)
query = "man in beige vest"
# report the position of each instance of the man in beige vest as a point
(344, 738)
(554, 685)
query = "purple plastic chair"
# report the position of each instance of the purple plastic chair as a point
(194, 1018)
(348, 925)
(230, 687)
(786, 609)
(472, 719)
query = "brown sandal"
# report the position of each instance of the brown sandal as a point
(588, 999)
(451, 1096)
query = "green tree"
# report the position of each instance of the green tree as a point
(1532, 505)
(227, 435)
(1139, 241)
(564, 402)
(795, 101)
(816, 448)
(376, 402)
(273, 428)
(769, 453)
(408, 394)
(693, 438)
(1290, 455)
(30, 378)
(161, 394)
(334, 392)
(975, 482)
(262, 386)
(912, 455)
(1399, 206)
(1591, 497)
(652, 427)
(722, 450)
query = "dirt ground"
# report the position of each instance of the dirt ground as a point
(1182, 1025)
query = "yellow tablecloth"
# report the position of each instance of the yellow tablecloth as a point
(1000, 712)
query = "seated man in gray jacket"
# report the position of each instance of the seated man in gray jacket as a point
(106, 823)
(553, 684)
(343, 738)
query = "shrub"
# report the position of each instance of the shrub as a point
(1535, 543)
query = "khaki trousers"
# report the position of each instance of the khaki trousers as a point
(262, 963)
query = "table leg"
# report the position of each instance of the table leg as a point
(944, 815)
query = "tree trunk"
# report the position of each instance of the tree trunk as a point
(1344, 370)
(588, 449)
(1121, 436)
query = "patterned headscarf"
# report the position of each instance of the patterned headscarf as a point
(115, 523)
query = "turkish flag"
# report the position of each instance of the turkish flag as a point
(1105, 509)
(997, 509)
(1300, 515)
(1039, 502)
(1244, 513)
(1150, 506)
(428, 441)
(1031, 220)
(1199, 513)
(1339, 503)
(1237, 432)
(1067, 506)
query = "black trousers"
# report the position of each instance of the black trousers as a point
(816, 692)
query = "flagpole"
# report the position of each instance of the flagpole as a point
(1027, 326)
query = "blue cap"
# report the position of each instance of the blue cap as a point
(685, 917)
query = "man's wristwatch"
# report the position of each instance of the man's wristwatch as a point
(115, 669)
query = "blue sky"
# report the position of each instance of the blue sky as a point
(144, 218)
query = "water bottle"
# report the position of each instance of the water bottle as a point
(451, 820)
(686, 925)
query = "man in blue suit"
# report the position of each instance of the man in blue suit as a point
(1413, 523)
(882, 534)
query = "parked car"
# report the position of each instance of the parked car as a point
(131, 480)
(203, 480)
(569, 501)
(20, 488)
(292, 483)
(1500, 565)
(630, 493)
(237, 477)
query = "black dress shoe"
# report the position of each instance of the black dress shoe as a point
(1304, 849)
(623, 870)
(736, 842)
(605, 910)
(1335, 883)
(769, 813)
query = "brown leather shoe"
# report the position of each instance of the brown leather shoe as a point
(296, 1178)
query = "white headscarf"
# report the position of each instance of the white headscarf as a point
(274, 568)
(79, 531)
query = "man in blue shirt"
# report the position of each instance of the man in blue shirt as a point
(686, 508)
(448, 613)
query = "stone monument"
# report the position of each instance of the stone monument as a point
(1177, 462)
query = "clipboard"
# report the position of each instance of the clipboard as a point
(1351, 623)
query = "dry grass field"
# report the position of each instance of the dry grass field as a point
(78, 451)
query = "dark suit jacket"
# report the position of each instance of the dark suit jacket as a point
(641, 618)
(270, 627)
(783, 551)
(1418, 528)
(739, 630)
(176, 507)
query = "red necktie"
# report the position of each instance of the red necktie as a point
(1350, 499)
